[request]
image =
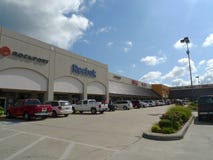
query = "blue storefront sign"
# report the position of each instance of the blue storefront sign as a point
(83, 71)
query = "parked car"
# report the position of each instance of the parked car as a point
(29, 108)
(145, 104)
(90, 105)
(139, 104)
(61, 107)
(123, 104)
(160, 103)
(205, 106)
(150, 102)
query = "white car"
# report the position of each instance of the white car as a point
(61, 107)
(123, 104)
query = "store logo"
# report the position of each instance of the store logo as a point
(83, 71)
(5, 51)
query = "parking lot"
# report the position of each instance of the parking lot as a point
(79, 136)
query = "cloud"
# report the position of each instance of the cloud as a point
(180, 71)
(150, 76)
(208, 41)
(104, 30)
(128, 47)
(201, 63)
(62, 23)
(109, 44)
(207, 77)
(179, 82)
(133, 65)
(179, 45)
(153, 60)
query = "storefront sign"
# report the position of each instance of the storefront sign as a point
(83, 71)
(6, 51)
(134, 82)
(29, 57)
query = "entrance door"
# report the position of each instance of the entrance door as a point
(3, 103)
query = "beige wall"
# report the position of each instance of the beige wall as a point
(59, 62)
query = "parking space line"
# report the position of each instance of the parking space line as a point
(68, 141)
(25, 148)
(10, 136)
(67, 151)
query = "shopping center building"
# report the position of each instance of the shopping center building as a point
(30, 68)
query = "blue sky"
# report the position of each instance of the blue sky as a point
(138, 39)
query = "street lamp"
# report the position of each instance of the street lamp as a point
(186, 40)
(198, 80)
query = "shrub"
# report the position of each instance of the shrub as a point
(156, 128)
(1, 111)
(165, 123)
(168, 130)
(172, 120)
(192, 106)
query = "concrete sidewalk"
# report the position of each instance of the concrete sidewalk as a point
(195, 145)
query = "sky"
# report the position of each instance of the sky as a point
(138, 39)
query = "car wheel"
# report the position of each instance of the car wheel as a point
(93, 110)
(73, 111)
(66, 115)
(125, 108)
(54, 114)
(101, 112)
(26, 116)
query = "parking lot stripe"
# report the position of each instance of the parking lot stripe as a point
(10, 136)
(66, 140)
(67, 151)
(25, 148)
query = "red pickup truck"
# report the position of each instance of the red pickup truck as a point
(29, 108)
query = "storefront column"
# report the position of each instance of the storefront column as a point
(85, 91)
(49, 95)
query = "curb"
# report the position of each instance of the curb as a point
(168, 137)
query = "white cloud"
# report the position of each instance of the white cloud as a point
(207, 77)
(128, 47)
(180, 71)
(153, 60)
(133, 65)
(208, 41)
(179, 45)
(201, 63)
(60, 23)
(109, 44)
(179, 82)
(154, 75)
(104, 30)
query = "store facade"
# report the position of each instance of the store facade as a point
(33, 69)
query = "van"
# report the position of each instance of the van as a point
(205, 106)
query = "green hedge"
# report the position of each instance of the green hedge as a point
(172, 120)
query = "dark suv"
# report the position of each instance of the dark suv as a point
(205, 106)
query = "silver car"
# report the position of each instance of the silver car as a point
(123, 104)
(61, 107)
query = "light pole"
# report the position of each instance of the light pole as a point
(186, 40)
(198, 81)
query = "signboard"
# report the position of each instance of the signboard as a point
(83, 71)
